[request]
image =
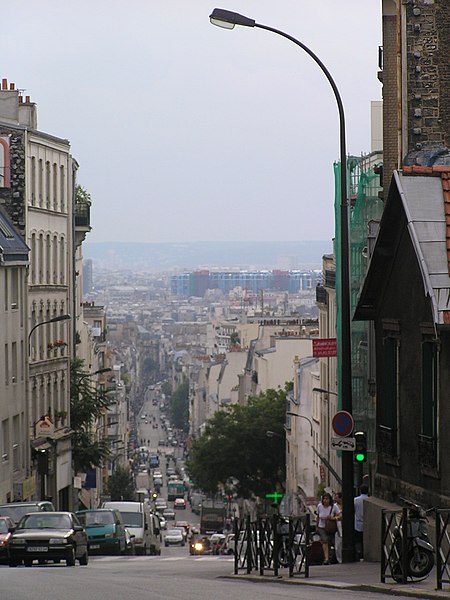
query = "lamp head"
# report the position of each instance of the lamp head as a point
(227, 19)
(60, 318)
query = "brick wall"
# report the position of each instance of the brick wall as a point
(390, 113)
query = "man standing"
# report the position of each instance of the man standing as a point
(359, 521)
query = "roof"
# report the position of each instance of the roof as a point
(13, 249)
(423, 195)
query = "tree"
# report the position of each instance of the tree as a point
(121, 485)
(179, 405)
(87, 404)
(82, 196)
(235, 446)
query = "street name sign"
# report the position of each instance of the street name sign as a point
(343, 443)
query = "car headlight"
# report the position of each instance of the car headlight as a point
(18, 542)
(58, 541)
(198, 546)
(109, 535)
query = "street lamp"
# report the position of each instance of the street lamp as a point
(292, 414)
(227, 19)
(53, 320)
(99, 372)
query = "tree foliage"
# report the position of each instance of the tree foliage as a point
(82, 196)
(121, 485)
(179, 406)
(235, 446)
(87, 404)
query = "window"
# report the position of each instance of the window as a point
(14, 288)
(429, 388)
(428, 440)
(388, 431)
(389, 403)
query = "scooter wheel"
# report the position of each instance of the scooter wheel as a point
(420, 562)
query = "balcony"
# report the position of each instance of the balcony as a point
(82, 221)
(321, 295)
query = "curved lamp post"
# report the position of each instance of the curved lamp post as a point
(227, 19)
(53, 320)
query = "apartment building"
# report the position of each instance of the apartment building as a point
(37, 194)
(14, 461)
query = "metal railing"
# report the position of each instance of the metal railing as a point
(271, 544)
(442, 547)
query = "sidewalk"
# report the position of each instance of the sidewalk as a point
(359, 576)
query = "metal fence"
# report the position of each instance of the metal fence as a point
(442, 546)
(394, 546)
(271, 544)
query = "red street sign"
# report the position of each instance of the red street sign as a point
(343, 423)
(324, 347)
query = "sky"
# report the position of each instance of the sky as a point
(188, 132)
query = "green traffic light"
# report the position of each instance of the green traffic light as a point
(360, 457)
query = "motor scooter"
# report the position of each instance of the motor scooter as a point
(420, 552)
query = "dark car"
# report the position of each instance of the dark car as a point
(16, 510)
(7, 526)
(50, 536)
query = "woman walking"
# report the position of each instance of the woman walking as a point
(324, 515)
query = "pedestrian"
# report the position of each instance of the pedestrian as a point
(359, 521)
(337, 515)
(324, 510)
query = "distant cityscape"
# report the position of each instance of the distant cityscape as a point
(163, 257)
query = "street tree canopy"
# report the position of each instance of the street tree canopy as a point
(87, 404)
(120, 485)
(235, 446)
(179, 407)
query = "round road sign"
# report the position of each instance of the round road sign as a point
(343, 423)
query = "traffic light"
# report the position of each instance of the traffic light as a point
(360, 446)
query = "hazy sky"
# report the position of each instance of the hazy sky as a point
(187, 132)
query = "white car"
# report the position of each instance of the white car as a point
(174, 537)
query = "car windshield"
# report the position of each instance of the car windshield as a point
(3, 526)
(174, 532)
(17, 512)
(45, 521)
(132, 519)
(96, 518)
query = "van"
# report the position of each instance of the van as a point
(141, 523)
(105, 530)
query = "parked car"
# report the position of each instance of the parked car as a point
(105, 530)
(16, 510)
(174, 537)
(49, 536)
(179, 503)
(7, 527)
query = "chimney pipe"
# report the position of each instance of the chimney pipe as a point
(4, 84)
(12, 87)
(27, 99)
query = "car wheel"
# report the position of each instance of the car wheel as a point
(70, 560)
(28, 562)
(166, 545)
(13, 563)
(84, 559)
